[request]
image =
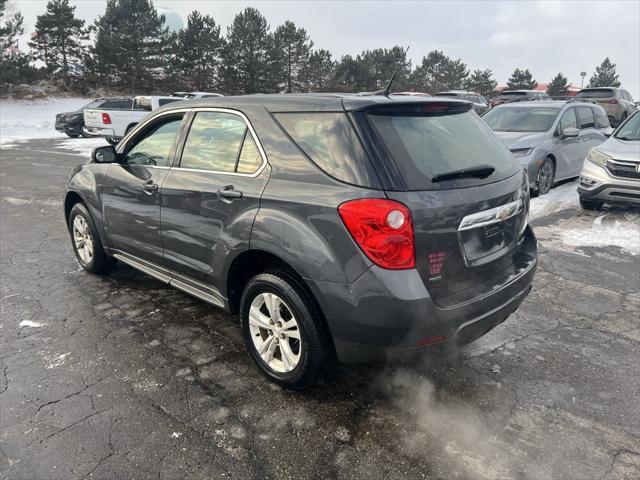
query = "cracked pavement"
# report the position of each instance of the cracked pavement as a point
(124, 377)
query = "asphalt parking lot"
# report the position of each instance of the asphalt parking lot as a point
(123, 377)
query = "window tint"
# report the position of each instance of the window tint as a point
(568, 120)
(424, 146)
(154, 146)
(214, 142)
(585, 114)
(330, 141)
(602, 121)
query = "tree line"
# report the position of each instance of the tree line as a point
(129, 48)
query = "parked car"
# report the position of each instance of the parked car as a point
(611, 171)
(362, 227)
(617, 102)
(196, 95)
(480, 104)
(113, 124)
(72, 123)
(508, 96)
(549, 139)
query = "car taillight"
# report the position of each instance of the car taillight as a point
(382, 229)
(106, 119)
(613, 101)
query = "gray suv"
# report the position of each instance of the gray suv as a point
(617, 102)
(356, 227)
(549, 139)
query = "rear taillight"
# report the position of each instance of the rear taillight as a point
(106, 119)
(383, 230)
(613, 101)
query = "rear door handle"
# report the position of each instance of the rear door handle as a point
(229, 193)
(150, 187)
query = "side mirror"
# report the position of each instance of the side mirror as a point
(570, 132)
(106, 154)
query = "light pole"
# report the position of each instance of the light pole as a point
(582, 74)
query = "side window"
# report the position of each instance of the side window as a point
(214, 143)
(250, 159)
(585, 114)
(153, 145)
(602, 121)
(568, 120)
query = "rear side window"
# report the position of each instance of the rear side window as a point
(602, 121)
(423, 146)
(329, 140)
(220, 142)
(585, 115)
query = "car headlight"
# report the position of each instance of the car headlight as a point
(597, 157)
(521, 152)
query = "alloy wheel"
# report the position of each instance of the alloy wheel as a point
(82, 239)
(544, 182)
(275, 332)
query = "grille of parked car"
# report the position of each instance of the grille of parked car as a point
(623, 169)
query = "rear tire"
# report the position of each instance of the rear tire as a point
(84, 133)
(545, 177)
(86, 243)
(72, 135)
(278, 318)
(590, 204)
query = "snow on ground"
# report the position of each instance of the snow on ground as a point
(560, 198)
(26, 119)
(82, 146)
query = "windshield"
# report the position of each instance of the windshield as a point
(596, 93)
(630, 131)
(428, 146)
(521, 119)
(94, 104)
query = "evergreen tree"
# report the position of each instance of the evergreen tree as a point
(245, 54)
(318, 73)
(14, 65)
(521, 80)
(132, 44)
(198, 54)
(558, 87)
(379, 65)
(348, 73)
(481, 82)
(605, 75)
(437, 72)
(288, 56)
(59, 40)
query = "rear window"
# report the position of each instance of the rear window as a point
(142, 103)
(329, 140)
(423, 146)
(512, 94)
(445, 94)
(521, 119)
(164, 101)
(596, 93)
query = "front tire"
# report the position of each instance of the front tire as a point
(590, 204)
(283, 330)
(86, 242)
(545, 177)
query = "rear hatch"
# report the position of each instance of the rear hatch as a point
(606, 97)
(93, 118)
(467, 196)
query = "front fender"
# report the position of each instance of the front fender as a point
(85, 181)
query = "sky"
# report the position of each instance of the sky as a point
(546, 36)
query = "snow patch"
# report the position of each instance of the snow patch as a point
(562, 197)
(28, 119)
(31, 324)
(82, 146)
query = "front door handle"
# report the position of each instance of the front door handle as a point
(150, 187)
(229, 193)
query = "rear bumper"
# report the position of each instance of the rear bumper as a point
(101, 132)
(385, 315)
(597, 184)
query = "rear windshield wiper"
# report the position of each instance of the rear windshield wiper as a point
(481, 171)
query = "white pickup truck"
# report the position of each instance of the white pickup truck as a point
(115, 124)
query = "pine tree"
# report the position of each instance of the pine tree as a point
(288, 56)
(318, 73)
(59, 40)
(437, 72)
(521, 80)
(245, 54)
(605, 75)
(132, 44)
(14, 65)
(377, 66)
(558, 86)
(198, 54)
(348, 74)
(481, 82)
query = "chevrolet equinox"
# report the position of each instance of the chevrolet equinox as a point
(356, 227)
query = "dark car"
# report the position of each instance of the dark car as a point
(480, 104)
(72, 123)
(508, 96)
(362, 227)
